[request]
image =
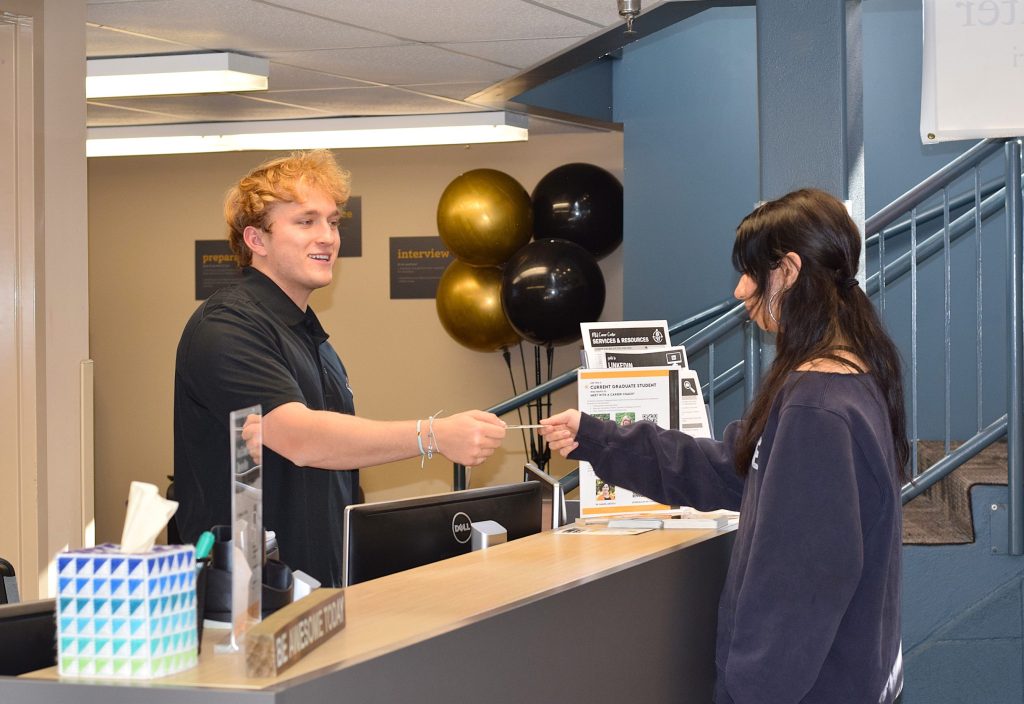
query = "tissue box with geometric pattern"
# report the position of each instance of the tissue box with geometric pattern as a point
(126, 615)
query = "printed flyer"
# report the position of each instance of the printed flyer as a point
(625, 396)
(693, 415)
(631, 335)
(622, 358)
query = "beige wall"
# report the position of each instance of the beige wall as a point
(146, 212)
(44, 291)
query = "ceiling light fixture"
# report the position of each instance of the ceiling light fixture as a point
(175, 74)
(329, 133)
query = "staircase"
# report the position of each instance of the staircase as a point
(963, 593)
(942, 514)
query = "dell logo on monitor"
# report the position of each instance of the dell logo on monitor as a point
(462, 527)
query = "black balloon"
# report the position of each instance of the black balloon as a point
(581, 203)
(548, 288)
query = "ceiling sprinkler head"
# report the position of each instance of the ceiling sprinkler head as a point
(628, 10)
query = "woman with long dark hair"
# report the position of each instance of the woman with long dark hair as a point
(810, 611)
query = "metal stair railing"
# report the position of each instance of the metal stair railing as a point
(957, 458)
(928, 187)
(960, 201)
(933, 244)
(988, 200)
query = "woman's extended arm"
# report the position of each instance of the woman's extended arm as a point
(664, 465)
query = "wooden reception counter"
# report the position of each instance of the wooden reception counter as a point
(548, 618)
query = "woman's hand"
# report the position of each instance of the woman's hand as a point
(560, 431)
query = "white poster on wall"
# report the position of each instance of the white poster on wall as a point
(972, 83)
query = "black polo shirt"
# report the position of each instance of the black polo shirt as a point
(250, 344)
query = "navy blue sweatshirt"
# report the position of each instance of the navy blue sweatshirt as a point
(810, 610)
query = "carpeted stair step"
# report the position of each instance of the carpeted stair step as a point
(942, 514)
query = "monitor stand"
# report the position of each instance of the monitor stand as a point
(553, 508)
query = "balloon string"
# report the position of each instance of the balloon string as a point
(529, 406)
(539, 458)
(519, 411)
(551, 370)
(546, 451)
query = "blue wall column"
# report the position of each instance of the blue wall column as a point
(810, 86)
(810, 103)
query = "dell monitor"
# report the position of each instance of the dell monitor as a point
(390, 536)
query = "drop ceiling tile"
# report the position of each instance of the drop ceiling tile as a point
(283, 78)
(520, 53)
(411, 63)
(104, 115)
(215, 108)
(373, 101)
(458, 91)
(102, 41)
(466, 20)
(603, 13)
(337, 57)
(239, 25)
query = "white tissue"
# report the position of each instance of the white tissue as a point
(147, 514)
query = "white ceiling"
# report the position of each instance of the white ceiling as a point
(333, 58)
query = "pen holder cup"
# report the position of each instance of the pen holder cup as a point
(278, 586)
(220, 553)
(278, 581)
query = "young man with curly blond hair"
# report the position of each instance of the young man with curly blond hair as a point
(259, 342)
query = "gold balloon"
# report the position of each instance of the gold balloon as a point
(469, 307)
(484, 216)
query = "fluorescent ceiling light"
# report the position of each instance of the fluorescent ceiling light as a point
(175, 74)
(329, 133)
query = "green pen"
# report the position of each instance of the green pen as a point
(204, 545)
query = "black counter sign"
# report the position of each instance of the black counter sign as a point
(351, 228)
(215, 267)
(416, 266)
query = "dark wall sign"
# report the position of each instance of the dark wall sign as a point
(416, 266)
(215, 267)
(352, 228)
